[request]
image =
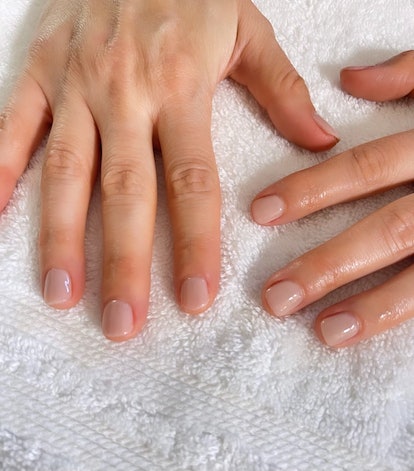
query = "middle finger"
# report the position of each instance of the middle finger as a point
(384, 237)
(128, 185)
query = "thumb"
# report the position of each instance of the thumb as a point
(382, 82)
(270, 77)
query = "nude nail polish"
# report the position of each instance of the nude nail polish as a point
(326, 128)
(339, 328)
(57, 287)
(267, 209)
(117, 319)
(194, 294)
(284, 297)
(356, 68)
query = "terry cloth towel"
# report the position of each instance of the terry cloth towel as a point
(233, 389)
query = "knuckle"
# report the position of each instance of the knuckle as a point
(39, 47)
(62, 163)
(10, 117)
(408, 55)
(114, 58)
(266, 28)
(189, 180)
(290, 82)
(5, 119)
(398, 229)
(119, 266)
(178, 67)
(369, 165)
(55, 236)
(122, 180)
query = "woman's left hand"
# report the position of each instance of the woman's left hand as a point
(382, 238)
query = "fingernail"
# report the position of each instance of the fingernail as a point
(284, 297)
(367, 67)
(356, 68)
(117, 319)
(267, 209)
(194, 294)
(338, 328)
(326, 128)
(58, 287)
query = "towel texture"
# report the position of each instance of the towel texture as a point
(232, 389)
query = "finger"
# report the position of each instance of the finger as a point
(268, 74)
(390, 80)
(377, 241)
(194, 202)
(369, 313)
(128, 205)
(67, 180)
(362, 171)
(23, 124)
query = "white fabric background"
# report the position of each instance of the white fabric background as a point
(232, 389)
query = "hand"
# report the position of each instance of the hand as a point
(380, 239)
(111, 79)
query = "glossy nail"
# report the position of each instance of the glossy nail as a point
(338, 328)
(57, 288)
(194, 294)
(326, 128)
(117, 320)
(356, 68)
(284, 297)
(267, 209)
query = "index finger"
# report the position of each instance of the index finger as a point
(358, 172)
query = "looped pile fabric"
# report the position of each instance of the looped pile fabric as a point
(233, 389)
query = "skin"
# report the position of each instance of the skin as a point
(111, 79)
(377, 241)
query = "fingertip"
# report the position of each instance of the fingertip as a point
(302, 126)
(389, 80)
(338, 329)
(283, 297)
(194, 295)
(331, 133)
(121, 321)
(267, 209)
(61, 290)
(351, 78)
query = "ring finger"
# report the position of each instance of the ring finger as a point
(194, 202)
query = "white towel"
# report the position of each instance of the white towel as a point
(233, 389)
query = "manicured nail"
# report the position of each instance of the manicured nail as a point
(338, 328)
(194, 294)
(356, 68)
(326, 128)
(267, 209)
(58, 287)
(284, 297)
(117, 320)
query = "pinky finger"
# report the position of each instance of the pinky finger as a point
(367, 314)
